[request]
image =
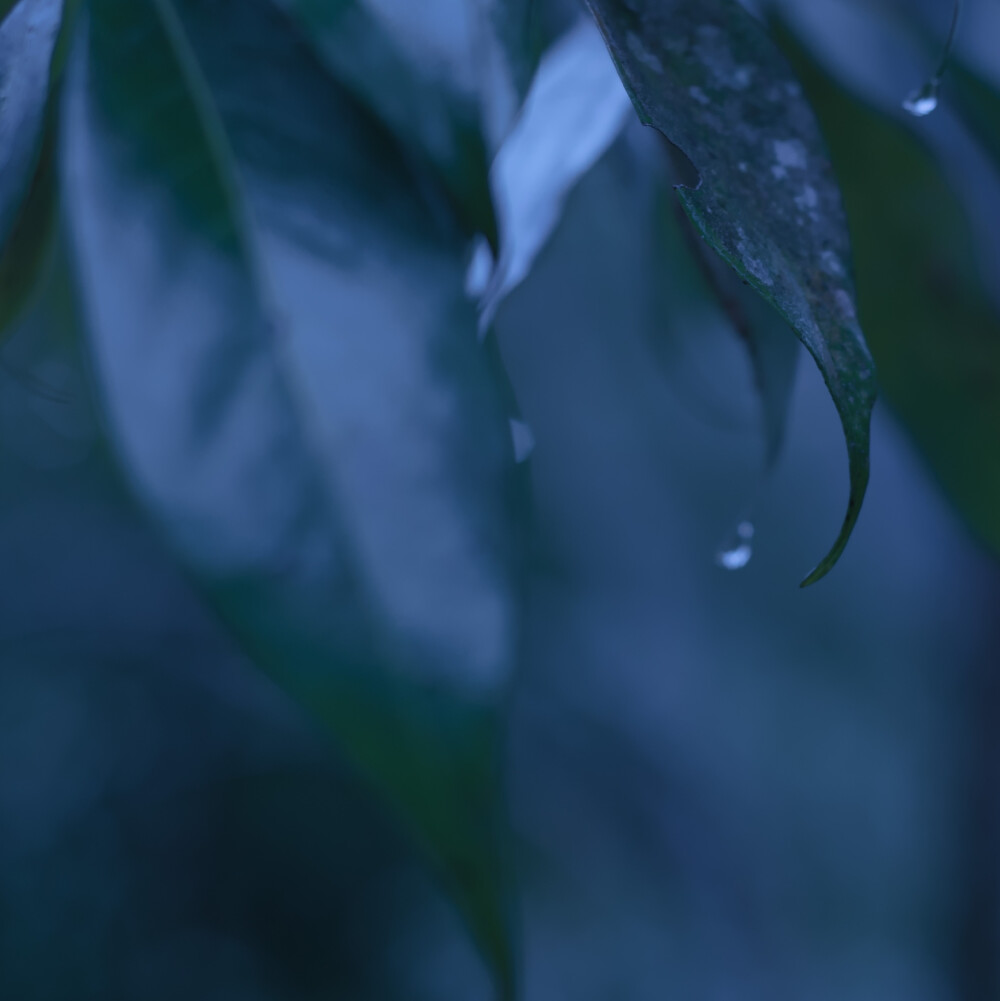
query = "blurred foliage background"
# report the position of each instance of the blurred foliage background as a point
(720, 787)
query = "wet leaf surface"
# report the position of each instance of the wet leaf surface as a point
(933, 327)
(705, 74)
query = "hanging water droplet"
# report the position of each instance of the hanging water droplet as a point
(738, 553)
(923, 101)
(523, 438)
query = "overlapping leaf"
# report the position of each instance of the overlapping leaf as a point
(290, 373)
(447, 78)
(575, 109)
(437, 120)
(704, 73)
(700, 277)
(934, 329)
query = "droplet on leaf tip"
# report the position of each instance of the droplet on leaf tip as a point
(923, 101)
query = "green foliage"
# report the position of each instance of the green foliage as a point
(436, 120)
(291, 375)
(269, 208)
(707, 77)
(933, 327)
(27, 150)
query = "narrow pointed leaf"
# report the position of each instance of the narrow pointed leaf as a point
(705, 74)
(574, 111)
(701, 280)
(290, 374)
(933, 327)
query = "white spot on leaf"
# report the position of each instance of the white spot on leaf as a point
(647, 58)
(751, 262)
(791, 153)
(845, 304)
(831, 264)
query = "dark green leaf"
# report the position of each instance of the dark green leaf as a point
(704, 73)
(25, 251)
(27, 140)
(290, 372)
(978, 102)
(933, 328)
(700, 275)
(27, 40)
(515, 25)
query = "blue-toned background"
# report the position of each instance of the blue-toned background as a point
(722, 787)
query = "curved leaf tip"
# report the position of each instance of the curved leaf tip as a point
(706, 75)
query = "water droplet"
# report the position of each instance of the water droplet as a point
(523, 438)
(738, 553)
(923, 101)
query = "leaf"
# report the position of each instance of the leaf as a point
(934, 329)
(772, 352)
(25, 251)
(704, 73)
(290, 373)
(574, 111)
(515, 27)
(507, 53)
(437, 121)
(27, 41)
(27, 138)
(978, 102)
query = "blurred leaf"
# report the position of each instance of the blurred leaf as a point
(432, 118)
(514, 23)
(6, 6)
(507, 53)
(446, 77)
(289, 368)
(978, 102)
(704, 73)
(574, 111)
(933, 328)
(27, 138)
(27, 40)
(24, 252)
